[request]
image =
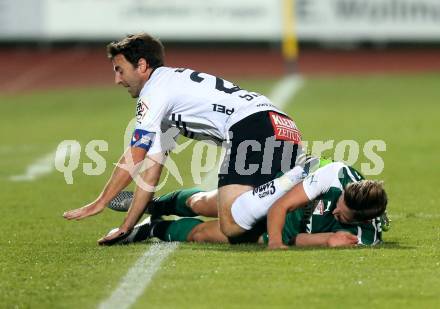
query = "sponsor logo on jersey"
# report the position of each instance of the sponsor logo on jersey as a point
(265, 190)
(322, 207)
(284, 128)
(265, 105)
(312, 179)
(319, 209)
(141, 110)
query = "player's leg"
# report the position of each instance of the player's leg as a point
(251, 206)
(226, 197)
(250, 164)
(204, 203)
(239, 211)
(166, 230)
(181, 230)
(207, 232)
(260, 146)
(174, 230)
(241, 167)
(184, 203)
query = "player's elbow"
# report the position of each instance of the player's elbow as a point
(230, 229)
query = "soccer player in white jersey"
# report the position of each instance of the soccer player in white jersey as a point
(261, 141)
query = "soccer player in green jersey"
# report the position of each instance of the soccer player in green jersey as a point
(335, 189)
(327, 232)
(321, 218)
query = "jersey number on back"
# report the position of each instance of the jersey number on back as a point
(220, 85)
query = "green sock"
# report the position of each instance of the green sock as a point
(173, 203)
(175, 230)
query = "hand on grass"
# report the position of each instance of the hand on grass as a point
(342, 239)
(114, 236)
(84, 212)
(277, 246)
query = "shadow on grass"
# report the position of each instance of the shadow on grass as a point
(254, 248)
(262, 248)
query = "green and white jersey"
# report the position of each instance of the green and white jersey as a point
(323, 188)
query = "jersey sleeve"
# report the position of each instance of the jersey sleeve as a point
(322, 180)
(150, 111)
(164, 140)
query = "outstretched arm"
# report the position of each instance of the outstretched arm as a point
(337, 239)
(300, 195)
(121, 177)
(276, 217)
(145, 186)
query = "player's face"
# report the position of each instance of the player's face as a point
(342, 213)
(127, 75)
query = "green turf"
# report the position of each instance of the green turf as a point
(48, 262)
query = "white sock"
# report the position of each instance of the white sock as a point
(253, 205)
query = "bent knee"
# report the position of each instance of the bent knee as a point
(198, 237)
(195, 234)
(230, 229)
(197, 201)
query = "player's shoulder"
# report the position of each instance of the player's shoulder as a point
(158, 83)
(347, 174)
(332, 174)
(322, 180)
(177, 71)
(333, 168)
(162, 73)
(164, 78)
(158, 75)
(189, 74)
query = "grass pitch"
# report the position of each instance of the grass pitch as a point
(49, 262)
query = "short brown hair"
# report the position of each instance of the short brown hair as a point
(366, 198)
(138, 46)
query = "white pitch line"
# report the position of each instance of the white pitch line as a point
(285, 90)
(139, 276)
(281, 94)
(43, 165)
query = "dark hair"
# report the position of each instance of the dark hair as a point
(137, 46)
(366, 198)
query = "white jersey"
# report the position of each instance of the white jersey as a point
(333, 176)
(201, 106)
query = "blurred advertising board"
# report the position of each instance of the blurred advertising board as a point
(368, 20)
(234, 20)
(168, 19)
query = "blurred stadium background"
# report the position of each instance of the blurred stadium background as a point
(371, 70)
(49, 43)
